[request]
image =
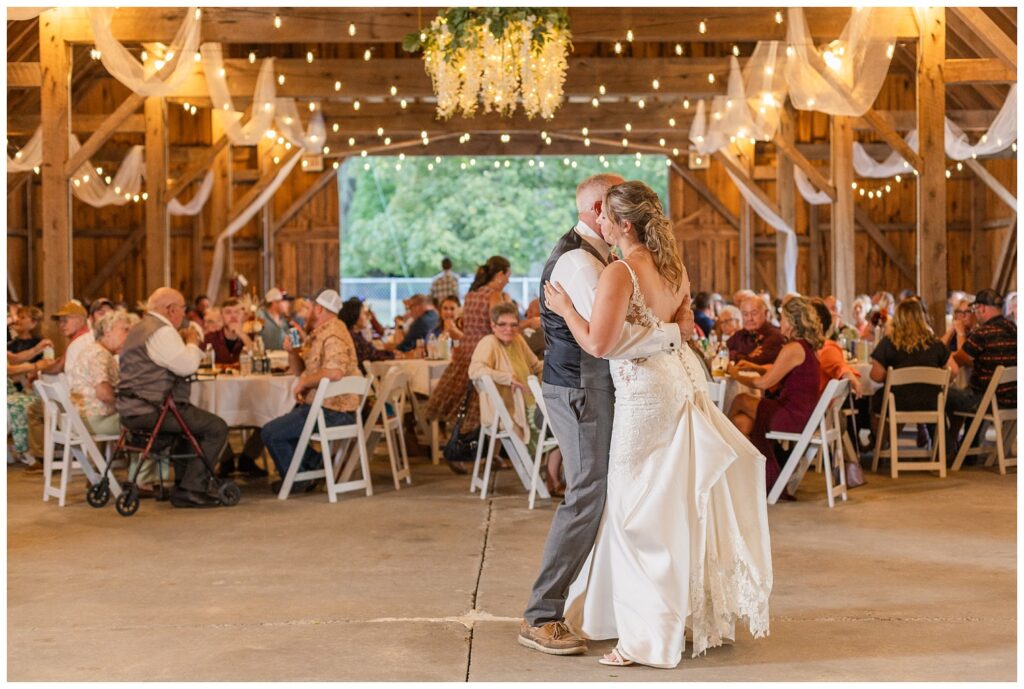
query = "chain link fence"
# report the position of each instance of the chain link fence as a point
(385, 295)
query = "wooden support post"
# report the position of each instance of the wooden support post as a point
(842, 249)
(196, 265)
(981, 255)
(30, 236)
(158, 236)
(989, 32)
(931, 183)
(100, 136)
(218, 208)
(746, 247)
(266, 220)
(1007, 261)
(57, 265)
(785, 191)
(815, 235)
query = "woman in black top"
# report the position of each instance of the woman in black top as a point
(27, 331)
(910, 343)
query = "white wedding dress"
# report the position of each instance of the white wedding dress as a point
(683, 542)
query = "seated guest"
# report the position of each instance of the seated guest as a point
(213, 321)
(27, 330)
(909, 342)
(197, 314)
(507, 359)
(156, 361)
(327, 353)
(729, 319)
(533, 329)
(230, 341)
(963, 323)
(838, 328)
(274, 315)
(831, 357)
(702, 314)
(717, 302)
(759, 342)
(98, 309)
(353, 315)
(795, 374)
(992, 343)
(740, 295)
(861, 309)
(425, 321)
(451, 320)
(1010, 309)
(300, 312)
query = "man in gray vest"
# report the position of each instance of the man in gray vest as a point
(155, 360)
(580, 399)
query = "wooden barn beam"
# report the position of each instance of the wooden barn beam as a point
(25, 125)
(24, 75)
(785, 187)
(198, 170)
(971, 71)
(1007, 261)
(893, 138)
(259, 187)
(218, 208)
(158, 238)
(57, 264)
(989, 33)
(105, 131)
(114, 262)
(843, 247)
(931, 183)
(789, 150)
(980, 254)
(361, 79)
(679, 167)
(391, 24)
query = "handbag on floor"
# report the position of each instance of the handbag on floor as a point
(462, 447)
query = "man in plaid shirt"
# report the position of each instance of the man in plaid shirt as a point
(445, 284)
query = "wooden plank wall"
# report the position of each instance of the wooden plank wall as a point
(308, 247)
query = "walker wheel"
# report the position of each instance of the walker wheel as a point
(98, 494)
(127, 503)
(229, 494)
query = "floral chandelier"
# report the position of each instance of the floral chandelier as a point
(498, 57)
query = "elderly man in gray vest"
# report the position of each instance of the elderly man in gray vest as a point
(580, 399)
(156, 361)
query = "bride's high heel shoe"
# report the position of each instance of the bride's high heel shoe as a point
(615, 659)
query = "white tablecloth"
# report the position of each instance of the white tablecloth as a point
(867, 386)
(734, 387)
(423, 373)
(245, 400)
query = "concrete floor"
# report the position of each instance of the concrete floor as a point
(911, 580)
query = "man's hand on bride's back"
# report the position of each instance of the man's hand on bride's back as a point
(684, 319)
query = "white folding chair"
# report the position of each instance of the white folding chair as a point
(503, 429)
(546, 441)
(62, 425)
(897, 453)
(822, 434)
(716, 392)
(392, 392)
(1003, 421)
(317, 429)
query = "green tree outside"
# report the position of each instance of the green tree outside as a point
(401, 217)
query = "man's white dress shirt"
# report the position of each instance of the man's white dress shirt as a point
(578, 272)
(166, 348)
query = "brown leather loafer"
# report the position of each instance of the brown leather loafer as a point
(553, 638)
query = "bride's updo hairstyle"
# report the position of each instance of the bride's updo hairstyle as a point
(486, 272)
(636, 202)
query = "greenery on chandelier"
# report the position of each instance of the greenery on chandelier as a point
(464, 24)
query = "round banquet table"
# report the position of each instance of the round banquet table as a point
(245, 400)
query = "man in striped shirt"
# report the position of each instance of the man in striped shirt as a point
(992, 343)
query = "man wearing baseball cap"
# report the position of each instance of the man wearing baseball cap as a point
(327, 353)
(275, 318)
(992, 343)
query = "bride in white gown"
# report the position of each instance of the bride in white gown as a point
(683, 542)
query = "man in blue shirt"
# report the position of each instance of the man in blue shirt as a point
(425, 321)
(702, 313)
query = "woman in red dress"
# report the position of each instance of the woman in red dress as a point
(794, 375)
(485, 292)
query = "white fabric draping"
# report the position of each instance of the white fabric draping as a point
(176, 207)
(89, 186)
(30, 155)
(789, 254)
(1001, 133)
(217, 269)
(144, 78)
(894, 164)
(808, 191)
(20, 14)
(263, 98)
(855, 64)
(289, 124)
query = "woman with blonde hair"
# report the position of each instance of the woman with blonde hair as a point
(790, 384)
(911, 342)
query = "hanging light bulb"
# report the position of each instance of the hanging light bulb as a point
(595, 102)
(394, 90)
(367, 55)
(890, 50)
(277, 21)
(144, 56)
(778, 16)
(618, 48)
(380, 131)
(585, 131)
(679, 48)
(387, 140)
(355, 105)
(629, 35)
(672, 122)
(661, 142)
(335, 165)
(656, 84)
(351, 29)
(586, 141)
(403, 104)
(629, 127)
(309, 56)
(335, 127)
(312, 106)
(252, 57)
(625, 142)
(686, 104)
(711, 78)
(351, 141)
(280, 79)
(192, 110)
(735, 50)
(198, 57)
(703, 26)
(277, 159)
